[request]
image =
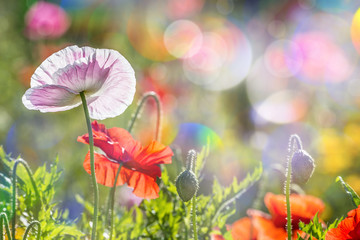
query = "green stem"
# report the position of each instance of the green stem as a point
(31, 225)
(37, 194)
(144, 98)
(111, 197)
(111, 200)
(4, 221)
(92, 164)
(287, 193)
(294, 143)
(194, 217)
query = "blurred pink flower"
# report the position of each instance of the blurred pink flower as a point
(46, 20)
(104, 75)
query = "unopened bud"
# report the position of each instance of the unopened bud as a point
(187, 185)
(302, 167)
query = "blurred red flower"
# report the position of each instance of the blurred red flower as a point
(260, 226)
(349, 228)
(140, 164)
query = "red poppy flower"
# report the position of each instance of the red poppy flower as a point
(261, 226)
(303, 208)
(140, 164)
(349, 228)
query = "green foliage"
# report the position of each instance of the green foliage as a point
(215, 209)
(49, 215)
(351, 193)
(317, 229)
(166, 217)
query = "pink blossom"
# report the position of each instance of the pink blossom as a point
(46, 20)
(105, 76)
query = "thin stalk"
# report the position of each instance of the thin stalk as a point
(92, 164)
(194, 216)
(294, 143)
(13, 203)
(287, 193)
(4, 221)
(111, 197)
(144, 98)
(111, 200)
(31, 225)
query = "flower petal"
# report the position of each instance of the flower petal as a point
(144, 185)
(50, 98)
(349, 228)
(44, 73)
(112, 141)
(303, 208)
(154, 153)
(105, 170)
(243, 229)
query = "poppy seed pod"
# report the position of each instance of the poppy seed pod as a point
(187, 185)
(302, 167)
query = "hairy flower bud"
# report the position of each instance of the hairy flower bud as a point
(303, 167)
(187, 185)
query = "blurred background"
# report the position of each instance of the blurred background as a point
(241, 75)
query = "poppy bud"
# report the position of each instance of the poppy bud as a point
(187, 185)
(303, 167)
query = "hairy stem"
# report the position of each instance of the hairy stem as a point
(194, 217)
(294, 144)
(92, 164)
(32, 225)
(13, 203)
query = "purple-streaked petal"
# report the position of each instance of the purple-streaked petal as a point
(51, 98)
(61, 59)
(82, 76)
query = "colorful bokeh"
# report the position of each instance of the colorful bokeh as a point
(237, 76)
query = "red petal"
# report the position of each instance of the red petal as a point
(112, 141)
(243, 229)
(267, 230)
(144, 186)
(303, 208)
(105, 170)
(349, 228)
(154, 153)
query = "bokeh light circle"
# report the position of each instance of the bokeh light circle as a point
(275, 99)
(182, 38)
(355, 30)
(283, 58)
(224, 58)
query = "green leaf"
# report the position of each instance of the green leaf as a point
(353, 195)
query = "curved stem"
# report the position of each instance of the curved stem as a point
(31, 225)
(4, 221)
(144, 98)
(111, 197)
(111, 201)
(294, 144)
(13, 204)
(92, 164)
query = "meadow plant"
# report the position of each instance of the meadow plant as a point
(103, 81)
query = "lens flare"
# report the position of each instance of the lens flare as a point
(224, 58)
(283, 58)
(145, 30)
(196, 136)
(182, 38)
